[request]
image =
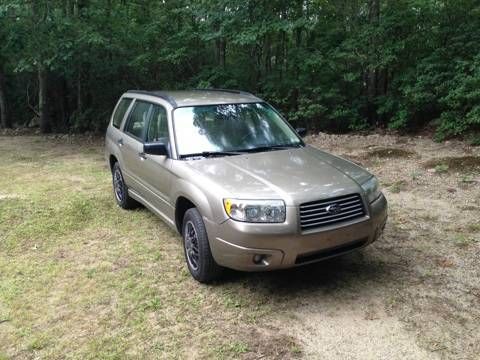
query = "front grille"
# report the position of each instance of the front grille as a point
(315, 215)
(323, 254)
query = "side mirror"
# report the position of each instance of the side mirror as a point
(157, 148)
(301, 131)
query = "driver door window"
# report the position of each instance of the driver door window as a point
(158, 125)
(137, 121)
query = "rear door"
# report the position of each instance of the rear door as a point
(132, 145)
(113, 140)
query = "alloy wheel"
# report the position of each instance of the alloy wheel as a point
(118, 185)
(191, 245)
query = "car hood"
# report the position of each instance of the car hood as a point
(295, 175)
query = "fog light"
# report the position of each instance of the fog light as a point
(258, 258)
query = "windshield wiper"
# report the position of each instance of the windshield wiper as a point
(211, 154)
(240, 151)
(273, 147)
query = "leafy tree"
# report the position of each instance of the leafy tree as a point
(333, 65)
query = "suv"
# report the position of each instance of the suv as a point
(225, 170)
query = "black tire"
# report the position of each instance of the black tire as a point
(198, 256)
(120, 190)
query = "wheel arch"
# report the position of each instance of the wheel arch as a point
(112, 159)
(189, 196)
(182, 204)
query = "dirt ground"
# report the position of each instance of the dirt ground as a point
(415, 293)
(81, 278)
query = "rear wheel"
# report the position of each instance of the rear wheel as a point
(120, 189)
(200, 261)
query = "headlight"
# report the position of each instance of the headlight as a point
(257, 211)
(372, 189)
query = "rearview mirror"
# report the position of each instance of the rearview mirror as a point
(157, 148)
(301, 131)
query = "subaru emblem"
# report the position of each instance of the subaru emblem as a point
(333, 209)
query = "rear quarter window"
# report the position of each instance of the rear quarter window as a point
(120, 112)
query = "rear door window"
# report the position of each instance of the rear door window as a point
(120, 112)
(138, 119)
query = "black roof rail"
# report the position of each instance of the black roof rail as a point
(158, 94)
(225, 90)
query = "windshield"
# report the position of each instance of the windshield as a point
(231, 128)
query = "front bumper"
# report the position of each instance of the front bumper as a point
(235, 244)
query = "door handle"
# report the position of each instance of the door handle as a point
(120, 142)
(142, 156)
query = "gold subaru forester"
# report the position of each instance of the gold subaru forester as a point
(225, 170)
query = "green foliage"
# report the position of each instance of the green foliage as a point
(475, 139)
(441, 168)
(462, 101)
(328, 65)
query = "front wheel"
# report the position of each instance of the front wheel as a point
(200, 261)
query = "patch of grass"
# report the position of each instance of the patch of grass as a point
(37, 221)
(390, 153)
(474, 227)
(462, 240)
(415, 175)
(467, 179)
(39, 342)
(441, 168)
(232, 300)
(427, 217)
(107, 347)
(296, 350)
(463, 164)
(398, 186)
(152, 304)
(101, 282)
(475, 139)
(231, 350)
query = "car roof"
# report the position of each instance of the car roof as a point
(196, 97)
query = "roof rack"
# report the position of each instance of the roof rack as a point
(158, 94)
(225, 90)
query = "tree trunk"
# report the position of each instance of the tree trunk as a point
(68, 8)
(43, 100)
(4, 119)
(221, 45)
(373, 10)
(65, 107)
(60, 103)
(76, 8)
(268, 55)
(79, 92)
(372, 75)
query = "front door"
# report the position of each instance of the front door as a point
(155, 172)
